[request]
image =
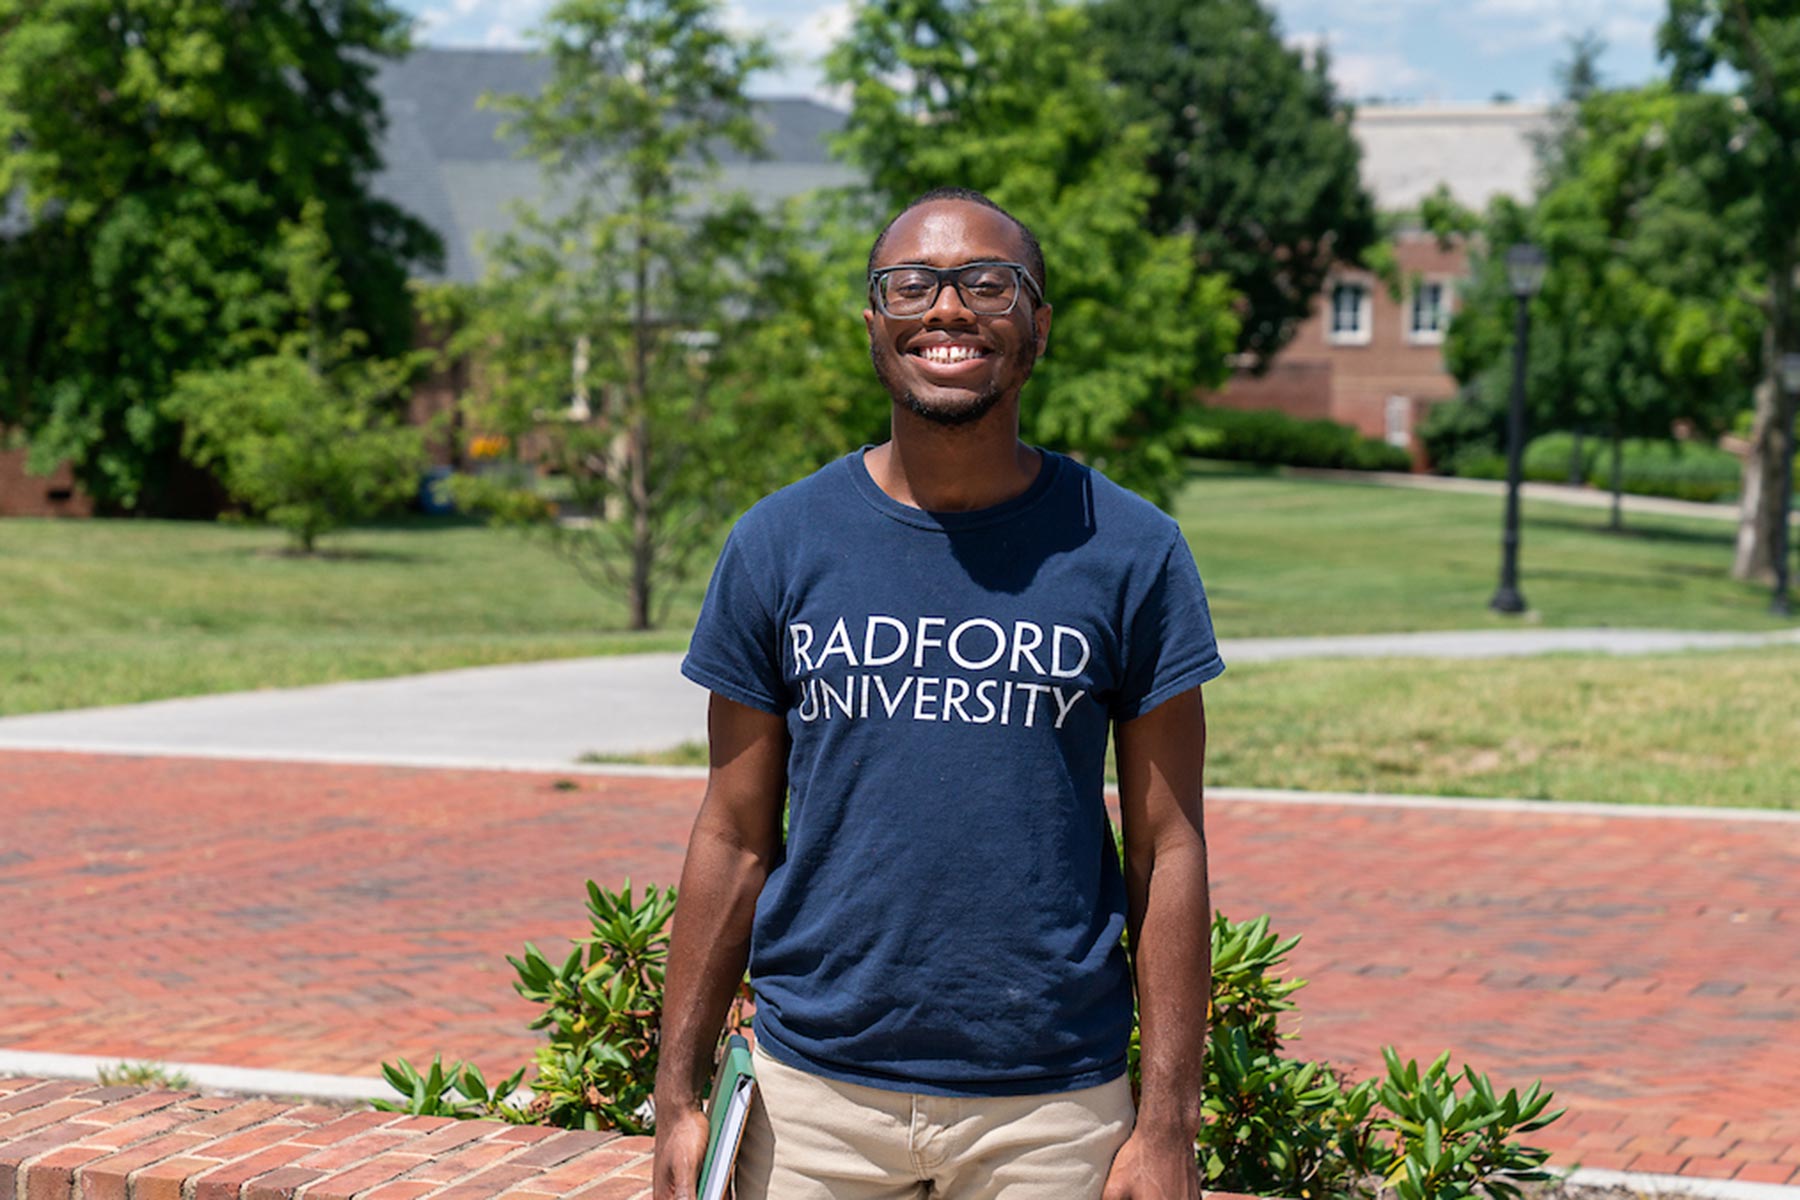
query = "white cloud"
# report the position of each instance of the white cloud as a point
(1379, 73)
(1515, 24)
(1361, 72)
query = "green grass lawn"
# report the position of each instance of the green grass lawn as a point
(1706, 728)
(111, 612)
(1287, 557)
(106, 612)
(1710, 728)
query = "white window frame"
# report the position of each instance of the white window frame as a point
(1428, 337)
(1364, 332)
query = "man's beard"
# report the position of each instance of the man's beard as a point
(966, 413)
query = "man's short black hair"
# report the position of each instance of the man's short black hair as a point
(1034, 254)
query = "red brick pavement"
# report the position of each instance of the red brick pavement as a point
(321, 918)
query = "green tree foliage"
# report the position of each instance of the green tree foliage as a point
(605, 326)
(308, 436)
(150, 152)
(1643, 319)
(1759, 42)
(1251, 152)
(1008, 98)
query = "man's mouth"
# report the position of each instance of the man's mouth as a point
(947, 354)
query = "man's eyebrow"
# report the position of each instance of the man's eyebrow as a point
(967, 262)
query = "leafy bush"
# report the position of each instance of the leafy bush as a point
(1280, 440)
(431, 1094)
(1471, 427)
(602, 1005)
(1678, 470)
(1279, 1127)
(1273, 1126)
(603, 1011)
(307, 435)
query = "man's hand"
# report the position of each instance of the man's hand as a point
(1147, 1168)
(681, 1138)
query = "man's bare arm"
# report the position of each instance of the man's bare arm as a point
(730, 853)
(1160, 757)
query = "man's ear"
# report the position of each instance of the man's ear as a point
(869, 321)
(1040, 322)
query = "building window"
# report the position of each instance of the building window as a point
(1429, 312)
(1351, 320)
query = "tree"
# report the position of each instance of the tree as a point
(602, 329)
(306, 436)
(1006, 97)
(1642, 320)
(152, 152)
(1251, 151)
(1759, 41)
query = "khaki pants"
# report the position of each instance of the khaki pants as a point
(810, 1138)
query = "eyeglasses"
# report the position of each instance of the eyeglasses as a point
(989, 288)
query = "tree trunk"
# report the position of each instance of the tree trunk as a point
(642, 550)
(1761, 510)
(1577, 471)
(1617, 524)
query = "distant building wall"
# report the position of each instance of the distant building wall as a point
(27, 495)
(1367, 358)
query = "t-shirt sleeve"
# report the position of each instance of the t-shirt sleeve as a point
(1170, 647)
(736, 650)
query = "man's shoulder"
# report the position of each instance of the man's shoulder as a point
(1117, 510)
(799, 501)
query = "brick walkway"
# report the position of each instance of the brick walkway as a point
(321, 918)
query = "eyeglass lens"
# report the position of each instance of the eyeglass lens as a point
(983, 287)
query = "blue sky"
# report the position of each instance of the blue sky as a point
(1411, 50)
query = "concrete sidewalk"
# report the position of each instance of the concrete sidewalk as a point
(546, 715)
(1552, 493)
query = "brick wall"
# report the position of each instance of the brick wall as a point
(72, 1140)
(1355, 385)
(26, 495)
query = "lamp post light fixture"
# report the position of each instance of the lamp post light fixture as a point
(1525, 266)
(1783, 483)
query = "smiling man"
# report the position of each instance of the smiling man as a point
(921, 651)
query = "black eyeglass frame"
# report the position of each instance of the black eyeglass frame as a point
(952, 276)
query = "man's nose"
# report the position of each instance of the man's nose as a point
(948, 308)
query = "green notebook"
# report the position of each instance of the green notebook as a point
(729, 1106)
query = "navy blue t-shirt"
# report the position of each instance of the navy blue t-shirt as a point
(946, 914)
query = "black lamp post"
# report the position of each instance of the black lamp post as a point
(1525, 273)
(1784, 486)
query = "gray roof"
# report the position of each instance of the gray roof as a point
(1478, 150)
(446, 163)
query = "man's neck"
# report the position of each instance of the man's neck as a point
(954, 468)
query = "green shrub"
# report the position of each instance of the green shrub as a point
(1273, 1126)
(1546, 458)
(1472, 426)
(1276, 439)
(602, 1010)
(1650, 467)
(1678, 470)
(1280, 1127)
(308, 435)
(435, 1093)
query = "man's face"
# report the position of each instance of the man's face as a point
(994, 354)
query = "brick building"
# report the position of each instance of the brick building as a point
(1365, 357)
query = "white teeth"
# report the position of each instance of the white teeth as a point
(948, 354)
